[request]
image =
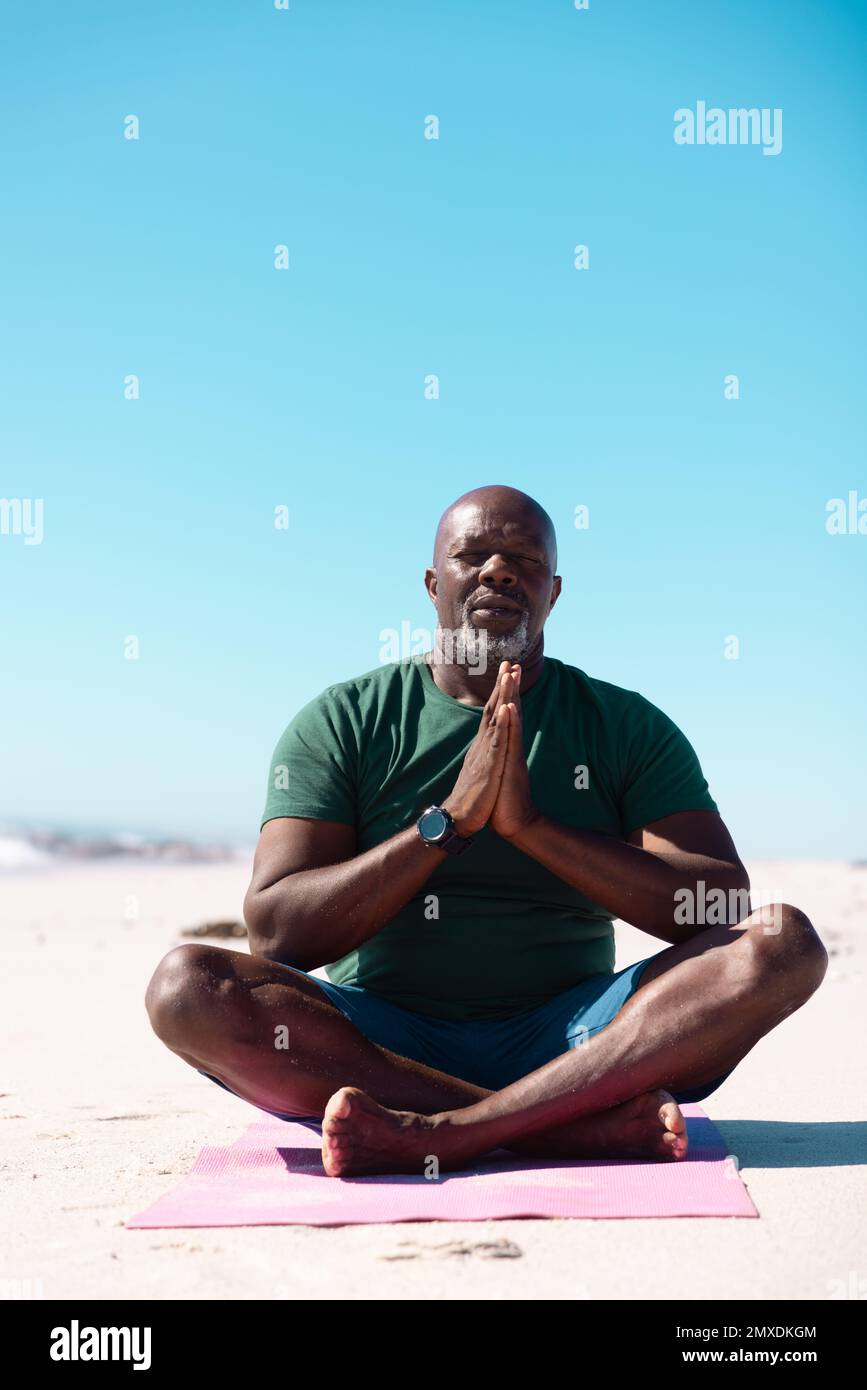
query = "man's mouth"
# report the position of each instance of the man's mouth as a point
(497, 609)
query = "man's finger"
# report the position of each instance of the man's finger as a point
(510, 730)
(495, 697)
(507, 688)
(516, 691)
(500, 732)
(500, 697)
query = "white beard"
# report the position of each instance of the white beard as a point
(477, 648)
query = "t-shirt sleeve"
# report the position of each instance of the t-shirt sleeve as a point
(661, 773)
(314, 769)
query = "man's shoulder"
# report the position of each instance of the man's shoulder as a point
(344, 712)
(372, 685)
(610, 699)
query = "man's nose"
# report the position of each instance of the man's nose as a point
(498, 569)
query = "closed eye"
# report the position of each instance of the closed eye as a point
(480, 556)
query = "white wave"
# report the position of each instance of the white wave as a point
(16, 853)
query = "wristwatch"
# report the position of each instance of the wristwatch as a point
(437, 831)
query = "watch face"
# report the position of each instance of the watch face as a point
(433, 824)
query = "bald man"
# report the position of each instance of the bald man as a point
(453, 837)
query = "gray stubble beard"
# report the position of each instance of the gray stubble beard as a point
(476, 648)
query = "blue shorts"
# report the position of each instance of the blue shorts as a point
(491, 1053)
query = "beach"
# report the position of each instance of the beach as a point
(99, 1119)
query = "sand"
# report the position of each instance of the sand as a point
(99, 1119)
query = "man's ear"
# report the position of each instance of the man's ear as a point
(430, 583)
(555, 591)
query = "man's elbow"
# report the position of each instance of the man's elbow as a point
(725, 894)
(265, 938)
(260, 927)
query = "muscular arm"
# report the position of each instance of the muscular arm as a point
(312, 898)
(637, 881)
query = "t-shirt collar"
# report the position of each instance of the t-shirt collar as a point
(432, 689)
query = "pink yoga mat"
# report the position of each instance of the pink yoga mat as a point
(273, 1176)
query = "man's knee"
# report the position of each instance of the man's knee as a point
(181, 992)
(788, 949)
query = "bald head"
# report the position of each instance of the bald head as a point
(507, 507)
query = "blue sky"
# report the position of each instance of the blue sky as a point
(304, 387)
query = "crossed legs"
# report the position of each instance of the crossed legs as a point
(272, 1036)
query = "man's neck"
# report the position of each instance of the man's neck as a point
(472, 687)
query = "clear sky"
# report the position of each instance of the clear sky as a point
(305, 387)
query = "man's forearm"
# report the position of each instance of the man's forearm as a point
(318, 915)
(631, 883)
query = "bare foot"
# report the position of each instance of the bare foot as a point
(359, 1136)
(647, 1126)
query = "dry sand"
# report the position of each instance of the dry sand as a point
(99, 1119)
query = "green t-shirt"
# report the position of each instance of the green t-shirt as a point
(491, 933)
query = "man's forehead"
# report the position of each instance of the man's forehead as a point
(476, 524)
(495, 536)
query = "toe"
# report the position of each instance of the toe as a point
(670, 1114)
(673, 1145)
(339, 1106)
